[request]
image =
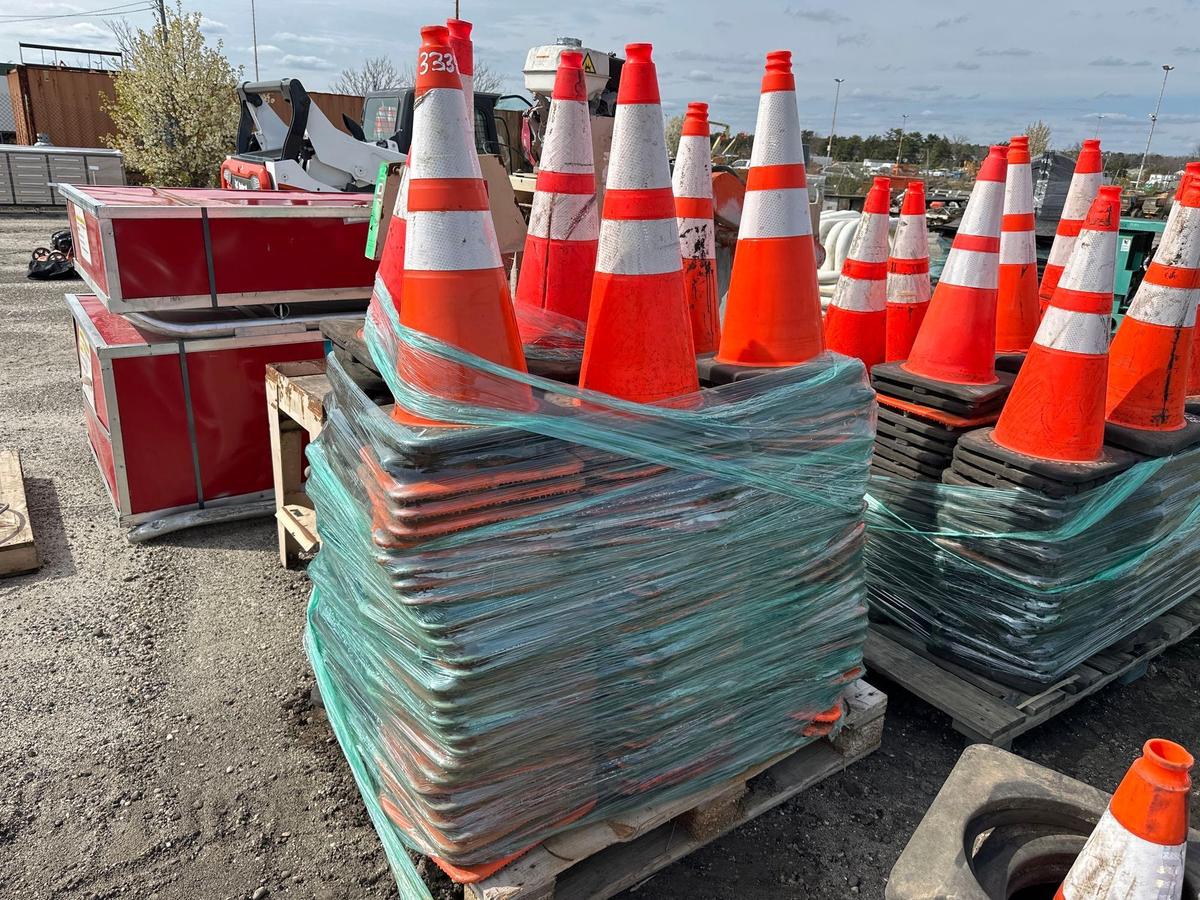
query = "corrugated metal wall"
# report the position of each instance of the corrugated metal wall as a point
(61, 102)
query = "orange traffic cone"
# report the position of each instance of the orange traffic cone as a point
(560, 248)
(1148, 360)
(1056, 408)
(454, 286)
(952, 364)
(1137, 851)
(692, 184)
(856, 321)
(1017, 309)
(464, 58)
(908, 287)
(773, 309)
(1084, 185)
(639, 342)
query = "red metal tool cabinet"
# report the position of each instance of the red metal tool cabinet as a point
(143, 248)
(178, 424)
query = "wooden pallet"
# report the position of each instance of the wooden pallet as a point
(602, 859)
(295, 411)
(18, 553)
(988, 712)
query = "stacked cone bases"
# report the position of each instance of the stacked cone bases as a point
(1138, 850)
(908, 285)
(773, 309)
(1084, 185)
(692, 184)
(1056, 408)
(639, 343)
(560, 248)
(957, 341)
(856, 321)
(1017, 308)
(454, 286)
(1148, 360)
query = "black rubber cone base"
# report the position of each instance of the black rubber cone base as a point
(1153, 443)
(890, 469)
(931, 435)
(892, 446)
(1010, 362)
(905, 466)
(1054, 478)
(1192, 405)
(715, 374)
(966, 400)
(916, 438)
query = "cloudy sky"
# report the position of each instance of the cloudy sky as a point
(982, 73)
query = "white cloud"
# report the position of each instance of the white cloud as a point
(212, 26)
(308, 62)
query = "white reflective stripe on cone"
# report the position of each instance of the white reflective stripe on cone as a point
(1060, 250)
(774, 213)
(869, 243)
(912, 238)
(1117, 865)
(696, 239)
(1018, 189)
(984, 208)
(1076, 332)
(777, 140)
(638, 247)
(638, 157)
(1081, 193)
(908, 288)
(1092, 266)
(1018, 248)
(400, 207)
(1157, 304)
(564, 217)
(693, 168)
(441, 120)
(568, 144)
(450, 240)
(971, 268)
(860, 295)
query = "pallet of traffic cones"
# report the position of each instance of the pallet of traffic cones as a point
(534, 607)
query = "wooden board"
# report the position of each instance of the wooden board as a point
(604, 858)
(296, 394)
(989, 712)
(18, 553)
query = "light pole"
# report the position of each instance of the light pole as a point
(900, 147)
(254, 37)
(1099, 119)
(837, 92)
(1153, 118)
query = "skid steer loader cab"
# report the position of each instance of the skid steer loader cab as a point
(388, 117)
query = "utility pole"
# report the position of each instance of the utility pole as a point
(162, 18)
(900, 147)
(837, 92)
(1153, 118)
(253, 36)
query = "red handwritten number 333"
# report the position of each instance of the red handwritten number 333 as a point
(439, 62)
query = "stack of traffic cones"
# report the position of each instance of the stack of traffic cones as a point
(639, 343)
(1050, 436)
(1017, 310)
(948, 384)
(1138, 849)
(908, 286)
(1089, 173)
(560, 247)
(856, 321)
(454, 286)
(1148, 360)
(773, 309)
(692, 184)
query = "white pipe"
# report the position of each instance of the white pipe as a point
(229, 327)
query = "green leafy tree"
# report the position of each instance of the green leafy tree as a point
(176, 107)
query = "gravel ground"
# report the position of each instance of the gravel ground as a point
(157, 738)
